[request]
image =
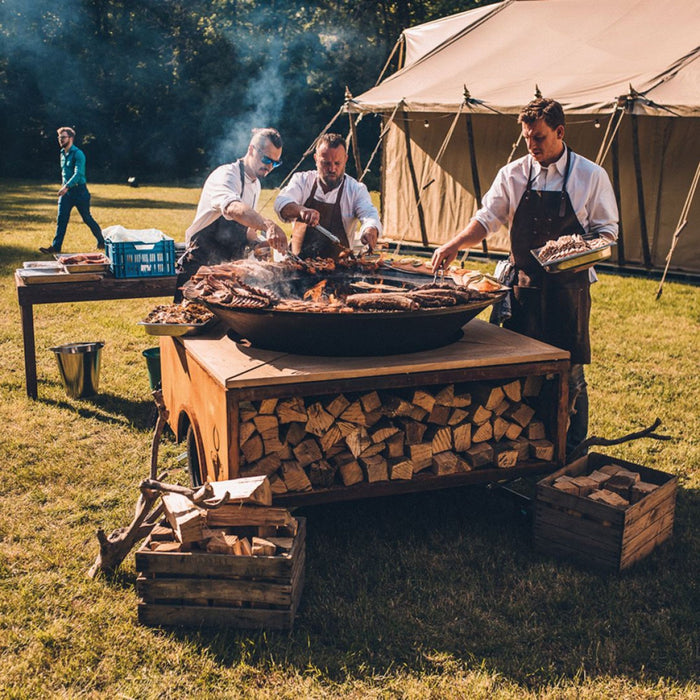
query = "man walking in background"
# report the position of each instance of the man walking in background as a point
(73, 193)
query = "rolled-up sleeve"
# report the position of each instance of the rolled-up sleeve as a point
(295, 192)
(224, 188)
(496, 206)
(364, 210)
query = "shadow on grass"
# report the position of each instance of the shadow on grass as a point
(422, 580)
(110, 408)
(12, 256)
(103, 203)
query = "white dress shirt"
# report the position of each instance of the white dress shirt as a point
(222, 187)
(355, 204)
(589, 189)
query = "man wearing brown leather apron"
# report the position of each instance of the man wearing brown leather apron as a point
(226, 223)
(330, 198)
(549, 193)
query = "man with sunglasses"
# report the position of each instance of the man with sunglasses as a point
(328, 197)
(226, 224)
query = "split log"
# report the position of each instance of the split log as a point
(242, 547)
(440, 439)
(370, 402)
(522, 446)
(414, 431)
(294, 476)
(245, 431)
(337, 405)
(444, 463)
(500, 427)
(265, 423)
(501, 408)
(221, 543)
(513, 431)
(479, 455)
(266, 466)
(461, 399)
(262, 547)
(640, 490)
(351, 473)
(396, 407)
(246, 411)
(421, 456)
(296, 432)
(542, 449)
(374, 449)
(186, 520)
(401, 469)
(319, 420)
(331, 438)
(376, 468)
(609, 498)
(253, 448)
(345, 428)
(252, 491)
(446, 395)
(383, 430)
(458, 415)
(423, 399)
(487, 396)
(535, 430)
(395, 445)
(267, 406)
(322, 473)
(358, 441)
(277, 485)
(354, 414)
(462, 437)
(513, 390)
(292, 410)
(482, 433)
(479, 415)
(307, 451)
(504, 457)
(440, 415)
(242, 516)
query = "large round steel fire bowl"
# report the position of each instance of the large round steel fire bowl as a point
(336, 333)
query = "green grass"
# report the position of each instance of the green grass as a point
(436, 595)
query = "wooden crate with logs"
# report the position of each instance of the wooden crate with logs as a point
(492, 405)
(604, 512)
(238, 565)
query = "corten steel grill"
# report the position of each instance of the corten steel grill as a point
(335, 333)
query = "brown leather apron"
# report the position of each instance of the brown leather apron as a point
(553, 308)
(315, 244)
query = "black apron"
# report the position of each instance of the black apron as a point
(553, 308)
(315, 244)
(220, 241)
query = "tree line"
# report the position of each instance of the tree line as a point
(164, 90)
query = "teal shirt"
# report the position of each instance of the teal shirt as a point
(73, 167)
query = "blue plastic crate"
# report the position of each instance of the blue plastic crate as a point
(130, 259)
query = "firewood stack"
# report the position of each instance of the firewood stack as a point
(245, 524)
(316, 442)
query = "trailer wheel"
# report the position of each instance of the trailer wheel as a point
(193, 458)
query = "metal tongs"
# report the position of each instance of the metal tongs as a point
(439, 273)
(334, 239)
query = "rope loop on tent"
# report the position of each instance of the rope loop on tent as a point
(399, 42)
(610, 133)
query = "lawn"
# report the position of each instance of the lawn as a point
(436, 595)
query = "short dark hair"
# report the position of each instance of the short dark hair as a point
(67, 129)
(260, 136)
(332, 141)
(543, 108)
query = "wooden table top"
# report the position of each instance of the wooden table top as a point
(483, 344)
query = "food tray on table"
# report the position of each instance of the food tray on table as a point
(83, 262)
(177, 329)
(49, 276)
(576, 262)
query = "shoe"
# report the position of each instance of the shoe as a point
(49, 250)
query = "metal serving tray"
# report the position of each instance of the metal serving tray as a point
(177, 329)
(81, 267)
(576, 262)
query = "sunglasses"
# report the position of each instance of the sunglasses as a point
(267, 160)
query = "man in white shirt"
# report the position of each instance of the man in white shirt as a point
(328, 197)
(547, 194)
(226, 222)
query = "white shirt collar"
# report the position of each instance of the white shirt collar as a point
(560, 164)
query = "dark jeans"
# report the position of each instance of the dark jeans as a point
(77, 197)
(578, 418)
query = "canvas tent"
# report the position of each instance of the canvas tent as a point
(627, 73)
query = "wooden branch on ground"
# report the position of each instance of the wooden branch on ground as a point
(604, 442)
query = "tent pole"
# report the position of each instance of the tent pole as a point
(414, 180)
(355, 145)
(618, 200)
(682, 221)
(379, 142)
(475, 171)
(640, 192)
(398, 45)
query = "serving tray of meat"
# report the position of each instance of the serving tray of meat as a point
(572, 253)
(187, 318)
(83, 262)
(319, 307)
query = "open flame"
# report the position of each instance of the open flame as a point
(316, 292)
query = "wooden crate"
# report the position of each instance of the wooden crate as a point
(599, 535)
(200, 589)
